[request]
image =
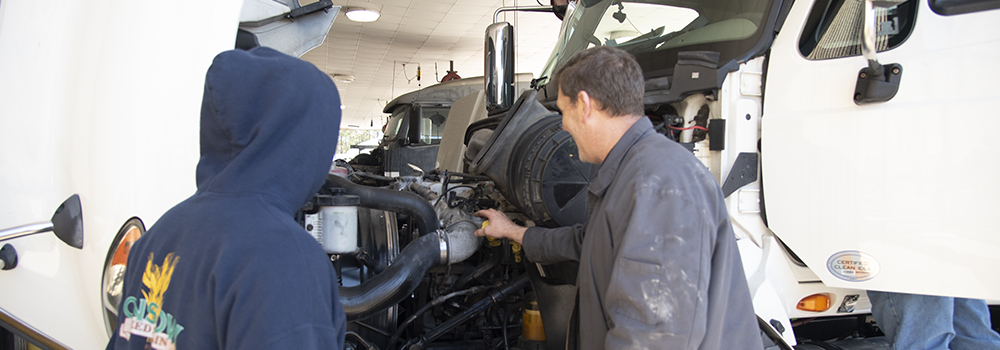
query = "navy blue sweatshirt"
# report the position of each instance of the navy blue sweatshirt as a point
(229, 268)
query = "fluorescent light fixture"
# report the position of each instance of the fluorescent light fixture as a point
(342, 78)
(360, 14)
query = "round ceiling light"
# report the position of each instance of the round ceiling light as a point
(359, 14)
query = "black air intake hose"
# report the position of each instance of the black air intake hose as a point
(401, 202)
(396, 282)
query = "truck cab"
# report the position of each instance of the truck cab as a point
(415, 127)
(415, 124)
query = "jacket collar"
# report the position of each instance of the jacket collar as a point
(609, 168)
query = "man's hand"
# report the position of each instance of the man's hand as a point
(500, 226)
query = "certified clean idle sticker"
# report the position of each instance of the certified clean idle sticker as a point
(853, 266)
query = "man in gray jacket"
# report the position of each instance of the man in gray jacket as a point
(659, 266)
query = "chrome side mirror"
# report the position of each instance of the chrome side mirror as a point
(499, 67)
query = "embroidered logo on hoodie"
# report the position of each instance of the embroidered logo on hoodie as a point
(144, 316)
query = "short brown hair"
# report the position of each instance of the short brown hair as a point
(609, 75)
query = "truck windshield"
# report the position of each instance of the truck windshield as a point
(392, 127)
(655, 31)
(432, 124)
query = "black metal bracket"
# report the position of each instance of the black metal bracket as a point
(8, 257)
(321, 5)
(744, 171)
(874, 86)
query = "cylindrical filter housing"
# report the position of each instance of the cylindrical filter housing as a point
(531, 321)
(339, 215)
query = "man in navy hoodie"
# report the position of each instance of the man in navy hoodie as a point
(229, 268)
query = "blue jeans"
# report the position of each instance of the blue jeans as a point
(915, 322)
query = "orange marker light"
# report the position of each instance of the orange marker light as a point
(816, 303)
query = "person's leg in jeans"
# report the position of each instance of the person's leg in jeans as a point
(972, 326)
(912, 321)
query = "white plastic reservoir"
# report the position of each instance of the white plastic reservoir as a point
(339, 215)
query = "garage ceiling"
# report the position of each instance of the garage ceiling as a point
(421, 33)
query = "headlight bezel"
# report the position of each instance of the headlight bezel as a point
(113, 274)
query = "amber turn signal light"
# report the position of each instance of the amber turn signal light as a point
(816, 302)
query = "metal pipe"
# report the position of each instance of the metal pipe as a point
(868, 48)
(29, 333)
(25, 230)
(496, 15)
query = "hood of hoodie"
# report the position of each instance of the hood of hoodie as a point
(269, 127)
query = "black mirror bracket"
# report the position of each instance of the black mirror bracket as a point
(877, 82)
(66, 223)
(874, 86)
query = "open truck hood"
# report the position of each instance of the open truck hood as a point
(284, 25)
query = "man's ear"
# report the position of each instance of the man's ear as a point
(586, 104)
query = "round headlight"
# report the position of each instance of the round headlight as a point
(114, 270)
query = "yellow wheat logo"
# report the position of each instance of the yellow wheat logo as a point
(157, 279)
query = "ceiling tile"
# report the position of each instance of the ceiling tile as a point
(392, 10)
(428, 15)
(464, 8)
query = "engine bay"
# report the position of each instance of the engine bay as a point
(413, 274)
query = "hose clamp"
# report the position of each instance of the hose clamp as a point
(443, 244)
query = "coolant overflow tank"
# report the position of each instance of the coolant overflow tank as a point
(339, 220)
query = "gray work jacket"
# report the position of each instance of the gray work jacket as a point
(659, 266)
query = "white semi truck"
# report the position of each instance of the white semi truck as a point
(848, 137)
(839, 178)
(99, 108)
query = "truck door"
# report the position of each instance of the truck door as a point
(418, 133)
(897, 195)
(425, 136)
(395, 138)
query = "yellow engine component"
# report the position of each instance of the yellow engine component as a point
(531, 321)
(493, 242)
